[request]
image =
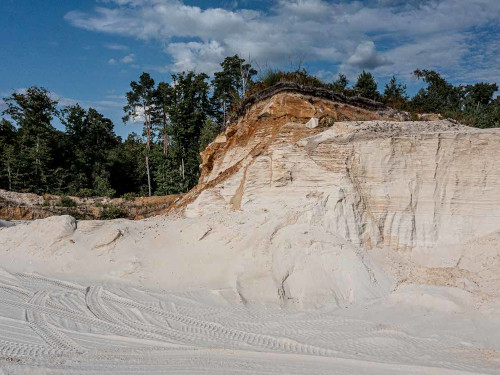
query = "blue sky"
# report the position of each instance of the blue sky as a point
(89, 51)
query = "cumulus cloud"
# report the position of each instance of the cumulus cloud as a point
(111, 61)
(202, 57)
(367, 57)
(340, 32)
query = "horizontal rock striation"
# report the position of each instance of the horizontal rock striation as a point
(419, 196)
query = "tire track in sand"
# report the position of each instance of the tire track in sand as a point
(45, 330)
(219, 331)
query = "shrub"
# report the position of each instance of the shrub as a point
(113, 212)
(85, 193)
(272, 76)
(129, 196)
(46, 203)
(66, 202)
(76, 214)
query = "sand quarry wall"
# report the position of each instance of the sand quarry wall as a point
(292, 213)
(421, 196)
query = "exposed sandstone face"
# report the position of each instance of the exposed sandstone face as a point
(267, 122)
(421, 197)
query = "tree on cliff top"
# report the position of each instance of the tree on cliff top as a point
(340, 84)
(438, 96)
(231, 84)
(395, 94)
(366, 86)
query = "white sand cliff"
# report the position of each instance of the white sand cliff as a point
(362, 245)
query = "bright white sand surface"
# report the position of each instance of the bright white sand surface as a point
(115, 298)
(56, 327)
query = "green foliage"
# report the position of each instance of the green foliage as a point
(37, 140)
(85, 193)
(161, 102)
(140, 104)
(66, 202)
(479, 94)
(188, 115)
(366, 86)
(102, 186)
(472, 104)
(127, 170)
(439, 96)
(208, 133)
(89, 140)
(340, 85)
(395, 94)
(113, 212)
(230, 85)
(76, 214)
(8, 155)
(272, 76)
(129, 196)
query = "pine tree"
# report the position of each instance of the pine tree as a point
(188, 113)
(140, 105)
(33, 111)
(340, 85)
(90, 137)
(438, 96)
(8, 155)
(162, 100)
(395, 93)
(231, 84)
(366, 86)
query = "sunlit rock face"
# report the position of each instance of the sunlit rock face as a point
(422, 197)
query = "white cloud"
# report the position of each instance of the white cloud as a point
(366, 57)
(111, 61)
(413, 34)
(201, 57)
(128, 59)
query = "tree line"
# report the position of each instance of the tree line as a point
(180, 118)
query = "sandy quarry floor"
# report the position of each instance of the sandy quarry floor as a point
(48, 326)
